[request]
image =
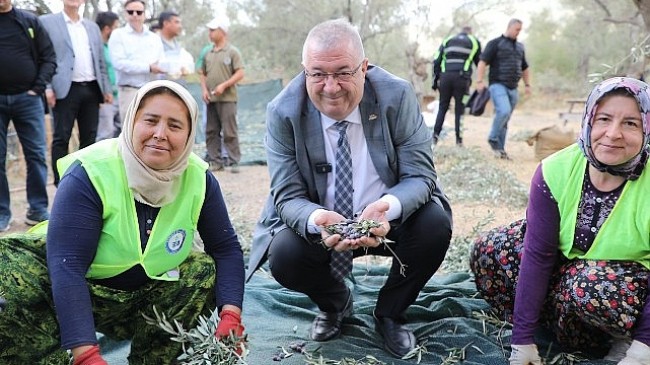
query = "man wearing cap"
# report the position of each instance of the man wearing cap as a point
(221, 70)
(135, 52)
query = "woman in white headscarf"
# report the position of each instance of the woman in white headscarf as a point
(119, 240)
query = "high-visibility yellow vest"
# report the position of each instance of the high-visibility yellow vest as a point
(625, 234)
(119, 246)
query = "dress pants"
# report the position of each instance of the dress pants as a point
(81, 104)
(456, 85)
(420, 242)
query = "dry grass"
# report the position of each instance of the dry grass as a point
(481, 188)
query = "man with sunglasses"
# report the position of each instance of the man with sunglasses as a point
(342, 114)
(135, 53)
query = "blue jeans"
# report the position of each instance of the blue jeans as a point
(28, 117)
(504, 101)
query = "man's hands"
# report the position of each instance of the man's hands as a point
(375, 211)
(525, 355)
(154, 68)
(90, 357)
(436, 83)
(50, 97)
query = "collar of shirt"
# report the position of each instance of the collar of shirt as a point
(130, 29)
(354, 118)
(69, 20)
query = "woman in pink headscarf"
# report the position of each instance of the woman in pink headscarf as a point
(579, 264)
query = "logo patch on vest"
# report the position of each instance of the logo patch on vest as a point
(175, 241)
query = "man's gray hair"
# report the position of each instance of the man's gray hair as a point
(514, 21)
(333, 34)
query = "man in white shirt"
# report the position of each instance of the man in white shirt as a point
(135, 53)
(177, 63)
(81, 81)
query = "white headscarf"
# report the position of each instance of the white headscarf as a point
(151, 186)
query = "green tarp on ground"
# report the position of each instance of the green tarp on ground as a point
(251, 116)
(441, 317)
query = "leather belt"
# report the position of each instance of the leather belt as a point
(83, 83)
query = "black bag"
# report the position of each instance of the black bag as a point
(477, 102)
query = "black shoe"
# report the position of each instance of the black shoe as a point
(459, 142)
(327, 326)
(398, 340)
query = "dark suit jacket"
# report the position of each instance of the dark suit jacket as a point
(398, 141)
(58, 30)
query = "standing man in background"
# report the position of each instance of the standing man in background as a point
(222, 70)
(178, 63)
(80, 83)
(452, 76)
(28, 63)
(135, 52)
(507, 60)
(109, 113)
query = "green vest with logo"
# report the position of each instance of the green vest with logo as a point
(625, 234)
(119, 248)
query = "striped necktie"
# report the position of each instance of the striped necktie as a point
(341, 262)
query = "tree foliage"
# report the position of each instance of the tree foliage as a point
(591, 38)
(566, 49)
(272, 38)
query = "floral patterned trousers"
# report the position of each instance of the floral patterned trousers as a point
(588, 302)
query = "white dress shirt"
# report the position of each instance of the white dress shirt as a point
(366, 182)
(132, 53)
(83, 59)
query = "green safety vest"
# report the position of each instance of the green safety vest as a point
(457, 49)
(119, 248)
(625, 234)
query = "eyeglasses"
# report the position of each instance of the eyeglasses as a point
(139, 12)
(343, 76)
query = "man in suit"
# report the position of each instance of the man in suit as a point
(81, 81)
(394, 182)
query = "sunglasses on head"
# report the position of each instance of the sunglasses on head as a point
(139, 12)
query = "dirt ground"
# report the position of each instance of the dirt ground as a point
(246, 191)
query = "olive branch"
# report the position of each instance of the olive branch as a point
(200, 345)
(352, 229)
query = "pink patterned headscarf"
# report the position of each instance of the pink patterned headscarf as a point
(632, 168)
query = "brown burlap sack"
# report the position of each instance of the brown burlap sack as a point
(551, 139)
